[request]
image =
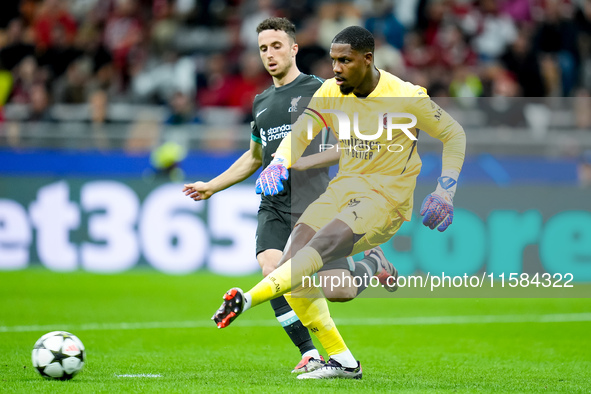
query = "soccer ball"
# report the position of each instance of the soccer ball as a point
(58, 355)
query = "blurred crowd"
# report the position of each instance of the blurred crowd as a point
(196, 54)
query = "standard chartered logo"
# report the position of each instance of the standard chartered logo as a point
(275, 133)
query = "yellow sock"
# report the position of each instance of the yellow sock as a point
(305, 263)
(311, 307)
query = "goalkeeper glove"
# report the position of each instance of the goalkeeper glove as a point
(270, 182)
(437, 208)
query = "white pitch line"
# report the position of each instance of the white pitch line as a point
(396, 321)
(141, 375)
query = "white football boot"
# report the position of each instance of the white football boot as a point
(332, 370)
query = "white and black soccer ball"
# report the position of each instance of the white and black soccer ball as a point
(59, 355)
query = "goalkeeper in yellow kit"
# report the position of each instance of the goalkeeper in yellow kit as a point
(371, 196)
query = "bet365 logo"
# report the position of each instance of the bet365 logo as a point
(384, 123)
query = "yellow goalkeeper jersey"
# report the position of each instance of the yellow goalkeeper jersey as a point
(378, 135)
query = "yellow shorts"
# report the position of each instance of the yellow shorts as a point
(372, 218)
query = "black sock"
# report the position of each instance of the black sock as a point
(364, 269)
(297, 332)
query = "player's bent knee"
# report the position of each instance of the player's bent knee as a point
(340, 294)
(268, 266)
(327, 247)
(333, 241)
(339, 299)
(267, 269)
(268, 260)
(301, 235)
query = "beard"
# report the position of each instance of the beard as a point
(345, 90)
(281, 73)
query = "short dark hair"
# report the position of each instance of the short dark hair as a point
(360, 39)
(282, 24)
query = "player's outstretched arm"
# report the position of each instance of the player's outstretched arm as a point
(290, 150)
(241, 169)
(437, 208)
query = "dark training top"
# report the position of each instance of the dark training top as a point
(273, 112)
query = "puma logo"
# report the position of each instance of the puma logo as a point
(356, 217)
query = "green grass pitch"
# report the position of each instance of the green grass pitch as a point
(146, 323)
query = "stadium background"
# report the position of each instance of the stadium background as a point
(108, 106)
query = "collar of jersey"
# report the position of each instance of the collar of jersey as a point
(292, 83)
(376, 90)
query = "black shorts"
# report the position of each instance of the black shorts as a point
(273, 230)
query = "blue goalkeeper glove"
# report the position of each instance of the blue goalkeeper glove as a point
(270, 182)
(437, 208)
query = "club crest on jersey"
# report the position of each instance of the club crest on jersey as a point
(294, 104)
(353, 202)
